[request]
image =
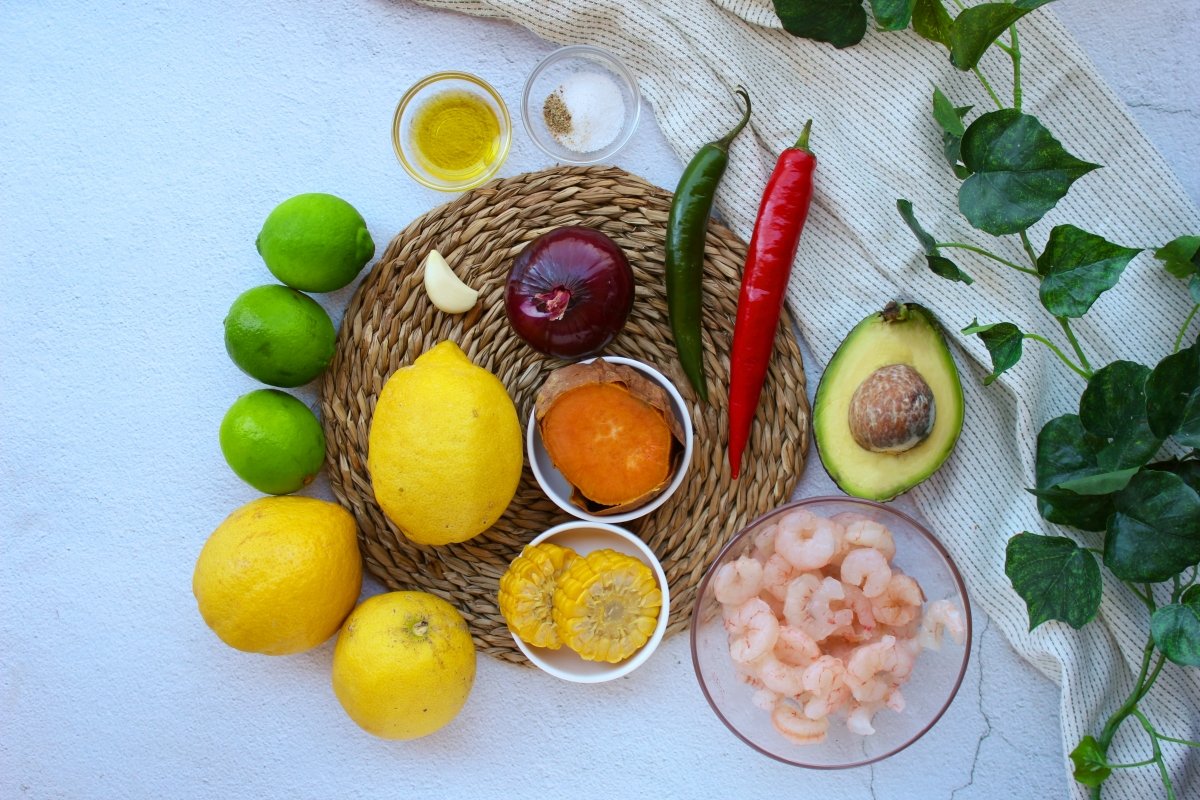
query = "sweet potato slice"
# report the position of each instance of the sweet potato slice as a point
(611, 432)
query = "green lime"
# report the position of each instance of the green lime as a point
(272, 441)
(278, 335)
(315, 242)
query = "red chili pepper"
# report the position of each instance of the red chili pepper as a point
(773, 246)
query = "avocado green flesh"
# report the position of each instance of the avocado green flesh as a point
(915, 339)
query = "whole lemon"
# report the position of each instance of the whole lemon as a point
(315, 242)
(278, 335)
(403, 665)
(272, 441)
(279, 575)
(444, 451)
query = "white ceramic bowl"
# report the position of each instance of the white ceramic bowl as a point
(558, 489)
(550, 74)
(584, 538)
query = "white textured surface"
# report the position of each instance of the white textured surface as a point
(144, 144)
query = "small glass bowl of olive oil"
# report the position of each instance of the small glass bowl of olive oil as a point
(451, 131)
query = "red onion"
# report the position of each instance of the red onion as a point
(569, 292)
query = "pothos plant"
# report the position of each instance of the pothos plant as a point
(1103, 469)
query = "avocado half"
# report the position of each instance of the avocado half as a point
(906, 334)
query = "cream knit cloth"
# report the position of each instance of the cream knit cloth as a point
(875, 142)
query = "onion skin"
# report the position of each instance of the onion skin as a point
(569, 292)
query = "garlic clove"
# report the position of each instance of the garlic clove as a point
(445, 289)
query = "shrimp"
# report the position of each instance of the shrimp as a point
(866, 666)
(825, 683)
(859, 719)
(864, 615)
(797, 728)
(753, 629)
(806, 540)
(796, 647)
(867, 533)
(795, 602)
(735, 582)
(764, 699)
(764, 543)
(942, 616)
(807, 606)
(777, 573)
(894, 699)
(867, 568)
(783, 678)
(900, 602)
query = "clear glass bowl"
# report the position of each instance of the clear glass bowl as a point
(935, 679)
(426, 90)
(551, 73)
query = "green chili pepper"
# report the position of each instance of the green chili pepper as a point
(687, 226)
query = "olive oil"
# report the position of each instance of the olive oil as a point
(455, 135)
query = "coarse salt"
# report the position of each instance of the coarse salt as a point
(586, 112)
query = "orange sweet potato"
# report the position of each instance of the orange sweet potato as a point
(611, 432)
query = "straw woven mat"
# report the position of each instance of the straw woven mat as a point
(390, 322)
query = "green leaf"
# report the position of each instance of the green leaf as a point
(1180, 256)
(1155, 532)
(1055, 577)
(945, 268)
(1173, 396)
(1176, 631)
(1194, 288)
(1104, 483)
(1187, 469)
(1067, 452)
(952, 147)
(1091, 768)
(938, 263)
(977, 27)
(1077, 267)
(947, 115)
(892, 15)
(839, 22)
(1003, 342)
(931, 21)
(1113, 406)
(1021, 172)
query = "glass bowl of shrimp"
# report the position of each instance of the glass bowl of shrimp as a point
(831, 632)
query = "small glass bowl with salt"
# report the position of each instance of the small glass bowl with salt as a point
(581, 105)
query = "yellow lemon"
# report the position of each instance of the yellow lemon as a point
(279, 575)
(403, 665)
(444, 451)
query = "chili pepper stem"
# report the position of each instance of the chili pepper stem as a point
(802, 142)
(728, 138)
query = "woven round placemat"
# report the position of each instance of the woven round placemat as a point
(390, 322)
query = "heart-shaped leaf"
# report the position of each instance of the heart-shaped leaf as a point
(1181, 256)
(1173, 396)
(1113, 406)
(1021, 172)
(1155, 532)
(977, 27)
(1091, 768)
(1176, 631)
(931, 21)
(1077, 267)
(1055, 577)
(892, 15)
(1188, 470)
(839, 22)
(1066, 452)
(1003, 343)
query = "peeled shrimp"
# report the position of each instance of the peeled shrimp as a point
(860, 717)
(797, 728)
(867, 568)
(764, 699)
(900, 601)
(779, 677)
(764, 543)
(777, 573)
(868, 668)
(825, 683)
(867, 533)
(942, 616)
(796, 647)
(753, 630)
(806, 540)
(864, 613)
(808, 606)
(737, 581)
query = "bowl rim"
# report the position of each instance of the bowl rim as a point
(627, 666)
(621, 70)
(505, 121)
(929, 537)
(685, 461)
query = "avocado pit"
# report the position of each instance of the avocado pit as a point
(892, 411)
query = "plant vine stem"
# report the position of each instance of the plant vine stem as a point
(1066, 326)
(1014, 52)
(1178, 741)
(1029, 248)
(988, 87)
(1145, 763)
(1158, 665)
(1145, 598)
(1162, 766)
(1061, 355)
(989, 254)
(1183, 330)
